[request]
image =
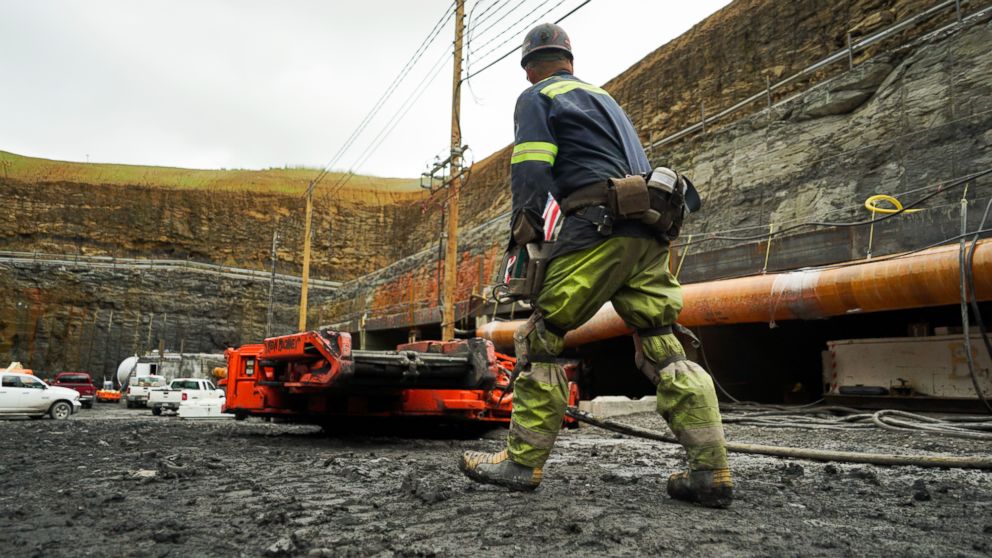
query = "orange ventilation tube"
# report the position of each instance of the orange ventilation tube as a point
(927, 278)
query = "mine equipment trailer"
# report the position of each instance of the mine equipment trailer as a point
(316, 376)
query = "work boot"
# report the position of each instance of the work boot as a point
(499, 469)
(712, 489)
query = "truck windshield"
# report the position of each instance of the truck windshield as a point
(74, 379)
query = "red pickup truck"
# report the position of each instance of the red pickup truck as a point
(79, 381)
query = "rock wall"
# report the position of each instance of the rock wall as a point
(897, 123)
(215, 226)
(55, 317)
(65, 317)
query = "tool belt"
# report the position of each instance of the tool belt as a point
(658, 202)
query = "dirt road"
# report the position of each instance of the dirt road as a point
(114, 482)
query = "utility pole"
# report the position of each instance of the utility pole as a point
(272, 281)
(306, 259)
(451, 248)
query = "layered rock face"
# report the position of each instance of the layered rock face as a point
(225, 227)
(62, 317)
(56, 316)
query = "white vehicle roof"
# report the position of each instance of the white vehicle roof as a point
(17, 373)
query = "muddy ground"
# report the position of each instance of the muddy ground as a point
(117, 482)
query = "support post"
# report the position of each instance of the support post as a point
(272, 281)
(451, 248)
(302, 326)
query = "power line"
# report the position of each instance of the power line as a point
(482, 15)
(505, 15)
(417, 55)
(515, 35)
(393, 121)
(494, 62)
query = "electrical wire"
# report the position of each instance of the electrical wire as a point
(965, 323)
(392, 122)
(387, 94)
(505, 15)
(482, 15)
(521, 30)
(970, 271)
(508, 53)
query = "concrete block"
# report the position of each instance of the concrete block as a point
(617, 405)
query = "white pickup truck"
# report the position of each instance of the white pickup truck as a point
(139, 388)
(179, 390)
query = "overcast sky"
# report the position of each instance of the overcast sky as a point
(255, 84)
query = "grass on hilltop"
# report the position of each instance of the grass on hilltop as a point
(285, 180)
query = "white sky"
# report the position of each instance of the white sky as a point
(254, 84)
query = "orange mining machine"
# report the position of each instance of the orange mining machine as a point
(316, 377)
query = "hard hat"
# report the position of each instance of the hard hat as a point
(545, 37)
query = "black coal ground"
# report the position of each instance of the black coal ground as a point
(114, 482)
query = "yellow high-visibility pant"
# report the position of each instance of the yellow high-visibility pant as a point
(633, 274)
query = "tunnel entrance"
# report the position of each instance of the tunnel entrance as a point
(775, 364)
(762, 363)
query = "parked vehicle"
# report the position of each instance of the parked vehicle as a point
(139, 388)
(179, 390)
(24, 394)
(79, 381)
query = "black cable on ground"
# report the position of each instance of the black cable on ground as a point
(947, 461)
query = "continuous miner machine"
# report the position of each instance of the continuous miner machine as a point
(316, 377)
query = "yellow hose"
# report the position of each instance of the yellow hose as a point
(871, 204)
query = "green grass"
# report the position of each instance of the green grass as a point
(288, 180)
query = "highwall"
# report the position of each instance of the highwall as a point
(352, 230)
(65, 316)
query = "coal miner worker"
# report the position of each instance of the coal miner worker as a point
(574, 142)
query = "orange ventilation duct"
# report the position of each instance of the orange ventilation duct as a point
(927, 278)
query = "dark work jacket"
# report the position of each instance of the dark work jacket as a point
(570, 134)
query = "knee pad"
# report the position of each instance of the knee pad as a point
(537, 337)
(651, 360)
(644, 364)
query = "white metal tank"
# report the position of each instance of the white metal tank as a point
(125, 368)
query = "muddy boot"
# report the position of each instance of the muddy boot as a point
(712, 489)
(497, 468)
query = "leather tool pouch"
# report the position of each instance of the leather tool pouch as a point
(629, 197)
(633, 198)
(523, 270)
(524, 230)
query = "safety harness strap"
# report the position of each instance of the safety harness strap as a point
(553, 329)
(654, 331)
(542, 359)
